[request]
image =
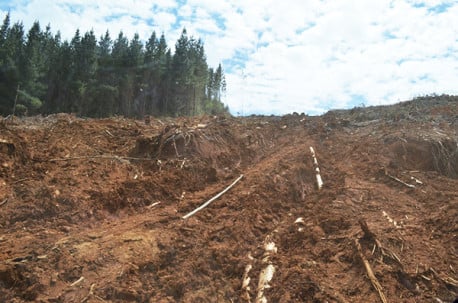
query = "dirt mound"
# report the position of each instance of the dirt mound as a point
(92, 210)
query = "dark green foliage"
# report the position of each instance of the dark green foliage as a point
(100, 78)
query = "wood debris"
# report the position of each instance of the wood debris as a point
(212, 199)
(319, 180)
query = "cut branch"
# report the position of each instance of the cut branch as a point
(267, 273)
(212, 199)
(109, 157)
(370, 273)
(399, 180)
(77, 281)
(4, 202)
(319, 181)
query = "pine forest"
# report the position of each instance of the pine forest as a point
(42, 74)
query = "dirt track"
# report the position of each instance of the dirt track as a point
(91, 210)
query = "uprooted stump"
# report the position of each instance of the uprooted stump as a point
(440, 155)
(214, 145)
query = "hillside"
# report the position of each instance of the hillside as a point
(92, 209)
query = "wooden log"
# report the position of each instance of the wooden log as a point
(319, 180)
(267, 273)
(212, 199)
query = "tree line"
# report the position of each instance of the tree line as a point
(42, 74)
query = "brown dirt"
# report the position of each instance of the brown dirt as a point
(91, 210)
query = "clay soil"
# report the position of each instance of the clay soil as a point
(91, 210)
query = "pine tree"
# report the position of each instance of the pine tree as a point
(181, 75)
(105, 77)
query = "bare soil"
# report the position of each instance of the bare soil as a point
(91, 210)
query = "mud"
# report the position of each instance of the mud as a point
(91, 210)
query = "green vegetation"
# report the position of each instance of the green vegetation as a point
(100, 78)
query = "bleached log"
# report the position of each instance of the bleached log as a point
(267, 273)
(319, 180)
(212, 199)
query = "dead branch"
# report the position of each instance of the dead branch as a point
(110, 134)
(109, 157)
(153, 204)
(384, 213)
(20, 180)
(4, 202)
(375, 283)
(267, 273)
(399, 180)
(91, 294)
(368, 234)
(319, 181)
(212, 199)
(77, 281)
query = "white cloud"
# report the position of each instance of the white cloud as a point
(290, 55)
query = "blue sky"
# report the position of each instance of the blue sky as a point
(290, 55)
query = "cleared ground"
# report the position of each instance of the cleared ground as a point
(91, 210)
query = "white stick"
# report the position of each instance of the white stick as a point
(319, 181)
(212, 199)
(77, 281)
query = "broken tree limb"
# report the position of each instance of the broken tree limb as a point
(212, 199)
(319, 180)
(267, 273)
(77, 281)
(109, 157)
(399, 180)
(375, 283)
(368, 234)
(396, 225)
(4, 202)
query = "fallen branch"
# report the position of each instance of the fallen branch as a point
(77, 281)
(20, 180)
(212, 199)
(4, 202)
(110, 134)
(319, 181)
(375, 283)
(368, 234)
(267, 273)
(153, 204)
(390, 219)
(399, 180)
(91, 294)
(109, 157)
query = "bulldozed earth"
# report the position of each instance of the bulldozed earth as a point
(92, 210)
